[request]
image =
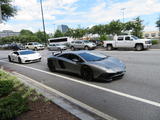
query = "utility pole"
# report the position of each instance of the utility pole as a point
(123, 13)
(43, 21)
(0, 12)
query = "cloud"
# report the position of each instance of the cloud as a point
(104, 12)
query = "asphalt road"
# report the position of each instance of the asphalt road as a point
(135, 97)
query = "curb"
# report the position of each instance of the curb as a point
(78, 109)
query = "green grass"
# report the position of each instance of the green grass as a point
(14, 96)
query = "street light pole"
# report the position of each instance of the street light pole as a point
(43, 21)
(0, 13)
(123, 13)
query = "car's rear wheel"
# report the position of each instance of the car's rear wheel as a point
(109, 47)
(9, 59)
(72, 48)
(35, 49)
(87, 73)
(51, 66)
(139, 47)
(19, 60)
(86, 48)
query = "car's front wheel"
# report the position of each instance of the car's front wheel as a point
(9, 59)
(51, 66)
(72, 48)
(19, 60)
(87, 73)
(86, 48)
(139, 47)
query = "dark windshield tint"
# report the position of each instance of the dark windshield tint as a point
(92, 56)
(26, 52)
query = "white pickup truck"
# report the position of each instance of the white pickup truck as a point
(127, 41)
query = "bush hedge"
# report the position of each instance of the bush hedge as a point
(154, 42)
(13, 97)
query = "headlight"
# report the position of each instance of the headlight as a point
(147, 42)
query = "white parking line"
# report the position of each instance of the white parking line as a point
(94, 86)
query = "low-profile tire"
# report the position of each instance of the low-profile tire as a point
(86, 48)
(109, 47)
(51, 66)
(19, 60)
(9, 59)
(87, 73)
(72, 48)
(35, 49)
(139, 47)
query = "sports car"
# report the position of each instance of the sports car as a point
(89, 65)
(24, 56)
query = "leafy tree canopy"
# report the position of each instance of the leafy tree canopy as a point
(8, 10)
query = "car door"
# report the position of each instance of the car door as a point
(120, 41)
(128, 42)
(14, 56)
(70, 63)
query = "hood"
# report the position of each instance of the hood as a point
(110, 63)
(144, 40)
(30, 56)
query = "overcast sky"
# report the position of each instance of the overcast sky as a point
(81, 13)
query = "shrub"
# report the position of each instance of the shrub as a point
(6, 86)
(12, 105)
(154, 42)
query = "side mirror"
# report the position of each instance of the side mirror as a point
(75, 60)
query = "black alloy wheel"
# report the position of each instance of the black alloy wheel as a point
(19, 60)
(87, 73)
(9, 59)
(51, 66)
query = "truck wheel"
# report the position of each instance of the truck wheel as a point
(139, 47)
(72, 48)
(86, 48)
(109, 47)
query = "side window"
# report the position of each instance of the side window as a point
(74, 57)
(16, 53)
(127, 38)
(120, 39)
(29, 43)
(64, 56)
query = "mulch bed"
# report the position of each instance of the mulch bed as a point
(42, 110)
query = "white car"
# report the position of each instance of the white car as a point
(57, 47)
(24, 56)
(34, 46)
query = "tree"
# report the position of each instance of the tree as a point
(138, 27)
(40, 35)
(7, 9)
(158, 25)
(26, 32)
(58, 33)
(115, 27)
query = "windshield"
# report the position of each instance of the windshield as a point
(86, 41)
(136, 38)
(26, 52)
(36, 43)
(92, 56)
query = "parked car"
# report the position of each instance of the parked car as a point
(90, 65)
(58, 47)
(82, 44)
(97, 42)
(128, 41)
(24, 56)
(17, 46)
(34, 46)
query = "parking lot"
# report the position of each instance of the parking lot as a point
(134, 97)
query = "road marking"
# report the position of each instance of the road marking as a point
(75, 101)
(94, 86)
